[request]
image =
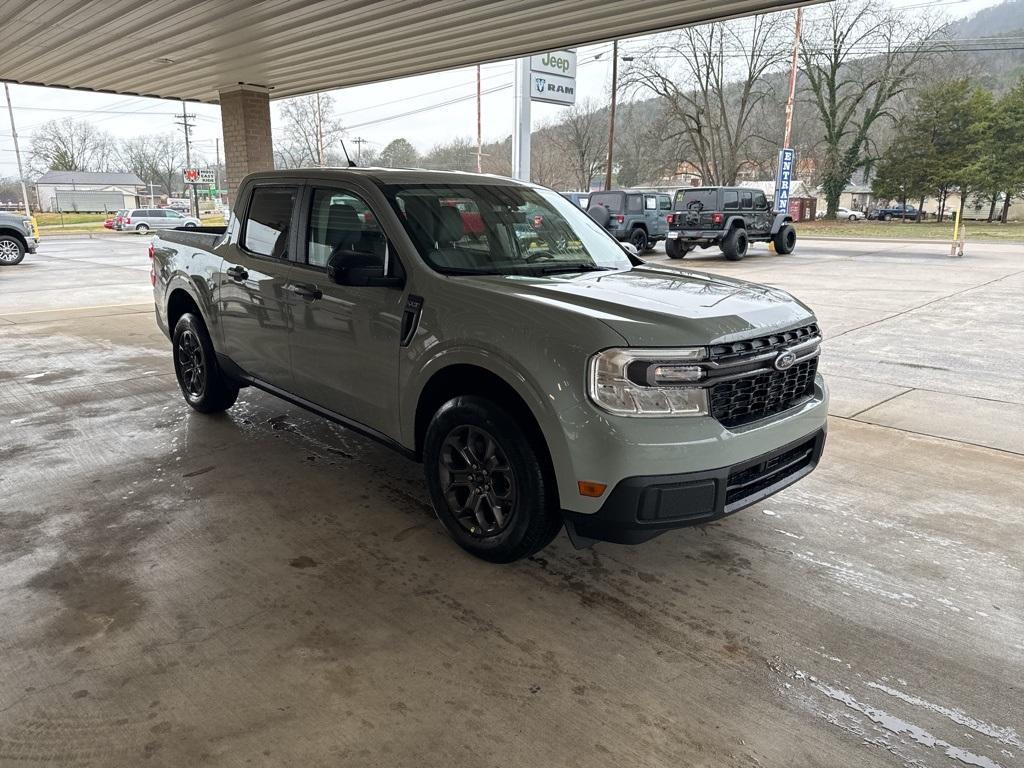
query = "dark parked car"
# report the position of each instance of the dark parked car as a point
(904, 212)
(640, 218)
(728, 217)
(582, 199)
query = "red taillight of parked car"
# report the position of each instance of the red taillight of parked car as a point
(620, 219)
(669, 219)
(716, 218)
(128, 220)
(152, 250)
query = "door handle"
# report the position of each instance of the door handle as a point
(308, 292)
(237, 273)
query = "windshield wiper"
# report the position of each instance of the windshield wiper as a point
(553, 269)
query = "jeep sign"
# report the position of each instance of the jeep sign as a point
(555, 63)
(553, 77)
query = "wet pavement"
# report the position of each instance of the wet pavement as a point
(266, 588)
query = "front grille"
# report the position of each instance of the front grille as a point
(746, 482)
(747, 399)
(735, 350)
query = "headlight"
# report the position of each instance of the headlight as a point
(27, 223)
(649, 382)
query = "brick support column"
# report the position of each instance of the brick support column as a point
(248, 145)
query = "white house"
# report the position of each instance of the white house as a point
(88, 191)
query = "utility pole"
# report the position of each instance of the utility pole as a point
(792, 79)
(319, 133)
(359, 141)
(187, 124)
(479, 123)
(611, 116)
(17, 152)
(152, 196)
(216, 168)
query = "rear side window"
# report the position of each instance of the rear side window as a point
(634, 204)
(699, 199)
(730, 200)
(270, 215)
(748, 200)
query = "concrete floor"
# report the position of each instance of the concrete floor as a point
(264, 588)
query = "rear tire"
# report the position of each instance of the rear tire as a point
(734, 246)
(638, 238)
(11, 251)
(487, 481)
(203, 384)
(785, 240)
(142, 228)
(675, 250)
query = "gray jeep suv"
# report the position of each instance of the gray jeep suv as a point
(543, 375)
(728, 217)
(640, 218)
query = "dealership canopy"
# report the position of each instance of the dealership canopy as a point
(187, 50)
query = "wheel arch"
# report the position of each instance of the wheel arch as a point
(463, 378)
(16, 234)
(781, 220)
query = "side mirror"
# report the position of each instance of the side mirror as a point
(630, 249)
(362, 270)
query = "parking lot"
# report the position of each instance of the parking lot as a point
(265, 587)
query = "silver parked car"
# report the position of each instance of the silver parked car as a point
(145, 219)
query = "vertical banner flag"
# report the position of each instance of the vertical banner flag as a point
(783, 179)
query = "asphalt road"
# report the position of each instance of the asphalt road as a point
(265, 588)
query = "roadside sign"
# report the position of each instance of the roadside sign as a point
(553, 77)
(555, 63)
(553, 89)
(197, 176)
(783, 179)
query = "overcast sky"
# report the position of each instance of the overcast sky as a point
(373, 112)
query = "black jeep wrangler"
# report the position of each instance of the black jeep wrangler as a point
(729, 217)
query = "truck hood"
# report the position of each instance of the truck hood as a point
(662, 306)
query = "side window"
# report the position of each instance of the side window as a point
(650, 203)
(665, 202)
(339, 222)
(156, 213)
(747, 200)
(266, 226)
(634, 204)
(730, 200)
(760, 203)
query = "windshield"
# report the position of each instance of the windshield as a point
(502, 230)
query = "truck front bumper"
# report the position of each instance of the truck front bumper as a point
(642, 507)
(31, 244)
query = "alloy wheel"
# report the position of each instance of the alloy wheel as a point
(9, 251)
(191, 364)
(477, 481)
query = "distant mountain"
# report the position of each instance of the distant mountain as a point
(999, 20)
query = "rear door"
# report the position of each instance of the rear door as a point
(253, 304)
(763, 217)
(345, 340)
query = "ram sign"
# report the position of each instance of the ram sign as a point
(553, 77)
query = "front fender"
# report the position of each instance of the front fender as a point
(781, 220)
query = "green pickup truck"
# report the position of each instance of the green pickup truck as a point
(543, 381)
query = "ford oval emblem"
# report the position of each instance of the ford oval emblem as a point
(785, 360)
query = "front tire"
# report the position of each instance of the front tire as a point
(734, 246)
(203, 385)
(11, 251)
(487, 481)
(785, 240)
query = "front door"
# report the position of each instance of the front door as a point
(345, 340)
(252, 303)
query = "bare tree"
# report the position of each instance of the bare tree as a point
(310, 133)
(712, 80)
(71, 145)
(457, 155)
(858, 57)
(581, 136)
